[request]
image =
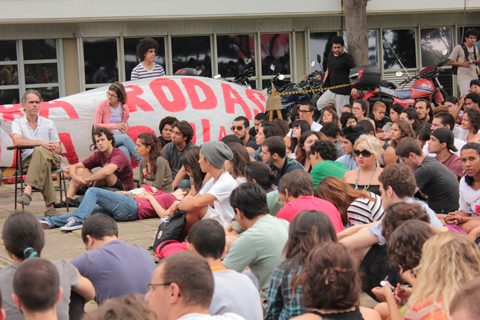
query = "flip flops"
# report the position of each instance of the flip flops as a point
(25, 199)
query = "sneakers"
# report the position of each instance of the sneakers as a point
(72, 224)
(45, 224)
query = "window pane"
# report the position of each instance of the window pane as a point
(233, 51)
(401, 43)
(276, 53)
(9, 96)
(131, 59)
(48, 93)
(8, 51)
(39, 49)
(434, 41)
(320, 44)
(372, 47)
(446, 80)
(101, 61)
(41, 73)
(192, 52)
(8, 75)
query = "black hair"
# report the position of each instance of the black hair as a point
(475, 97)
(446, 119)
(144, 45)
(261, 116)
(326, 150)
(98, 131)
(397, 107)
(338, 40)
(270, 130)
(352, 133)
(250, 199)
(345, 117)
(367, 126)
(309, 104)
(364, 106)
(22, 230)
(208, 238)
(475, 82)
(470, 32)
(474, 118)
(473, 146)
(452, 99)
(231, 138)
(413, 115)
(167, 120)
(424, 132)
(304, 127)
(276, 145)
(246, 123)
(98, 226)
(185, 128)
(262, 174)
(331, 130)
(36, 283)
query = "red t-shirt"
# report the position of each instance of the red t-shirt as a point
(290, 210)
(124, 171)
(145, 208)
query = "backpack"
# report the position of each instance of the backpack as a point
(465, 52)
(169, 229)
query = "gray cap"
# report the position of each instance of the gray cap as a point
(216, 152)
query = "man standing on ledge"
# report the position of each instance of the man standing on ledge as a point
(339, 65)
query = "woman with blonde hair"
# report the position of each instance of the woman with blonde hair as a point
(368, 154)
(355, 206)
(113, 114)
(449, 260)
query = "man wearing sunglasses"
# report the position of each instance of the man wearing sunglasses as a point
(240, 128)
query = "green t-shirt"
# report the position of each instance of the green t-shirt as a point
(272, 203)
(260, 248)
(327, 168)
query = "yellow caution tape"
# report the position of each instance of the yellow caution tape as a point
(312, 90)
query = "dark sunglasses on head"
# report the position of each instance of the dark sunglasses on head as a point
(364, 153)
(237, 127)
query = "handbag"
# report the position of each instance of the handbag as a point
(169, 229)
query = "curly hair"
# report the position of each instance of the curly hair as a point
(331, 130)
(129, 307)
(474, 118)
(185, 128)
(167, 120)
(404, 248)
(326, 150)
(144, 45)
(330, 278)
(400, 212)
(400, 177)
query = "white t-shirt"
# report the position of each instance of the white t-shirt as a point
(468, 199)
(463, 136)
(235, 292)
(199, 316)
(45, 131)
(457, 142)
(221, 190)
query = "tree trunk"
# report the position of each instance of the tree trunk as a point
(357, 33)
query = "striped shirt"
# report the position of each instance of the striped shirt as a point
(364, 211)
(140, 72)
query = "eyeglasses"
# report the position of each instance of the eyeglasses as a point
(364, 153)
(151, 285)
(111, 95)
(304, 111)
(237, 127)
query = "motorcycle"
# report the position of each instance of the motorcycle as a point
(426, 86)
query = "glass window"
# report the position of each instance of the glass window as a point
(8, 50)
(233, 51)
(39, 49)
(433, 42)
(320, 45)
(402, 44)
(101, 61)
(41, 73)
(275, 52)
(9, 96)
(49, 93)
(192, 52)
(131, 58)
(8, 75)
(372, 47)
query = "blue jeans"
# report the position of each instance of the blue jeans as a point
(126, 144)
(117, 206)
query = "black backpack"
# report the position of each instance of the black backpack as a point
(465, 52)
(169, 229)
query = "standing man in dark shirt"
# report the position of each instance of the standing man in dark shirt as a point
(434, 180)
(173, 152)
(240, 128)
(339, 65)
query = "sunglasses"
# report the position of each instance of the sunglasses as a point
(304, 111)
(364, 153)
(237, 127)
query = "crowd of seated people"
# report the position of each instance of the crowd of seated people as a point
(277, 224)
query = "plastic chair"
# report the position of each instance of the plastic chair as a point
(62, 185)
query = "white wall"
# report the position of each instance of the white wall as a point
(47, 11)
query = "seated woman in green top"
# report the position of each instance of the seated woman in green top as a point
(322, 158)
